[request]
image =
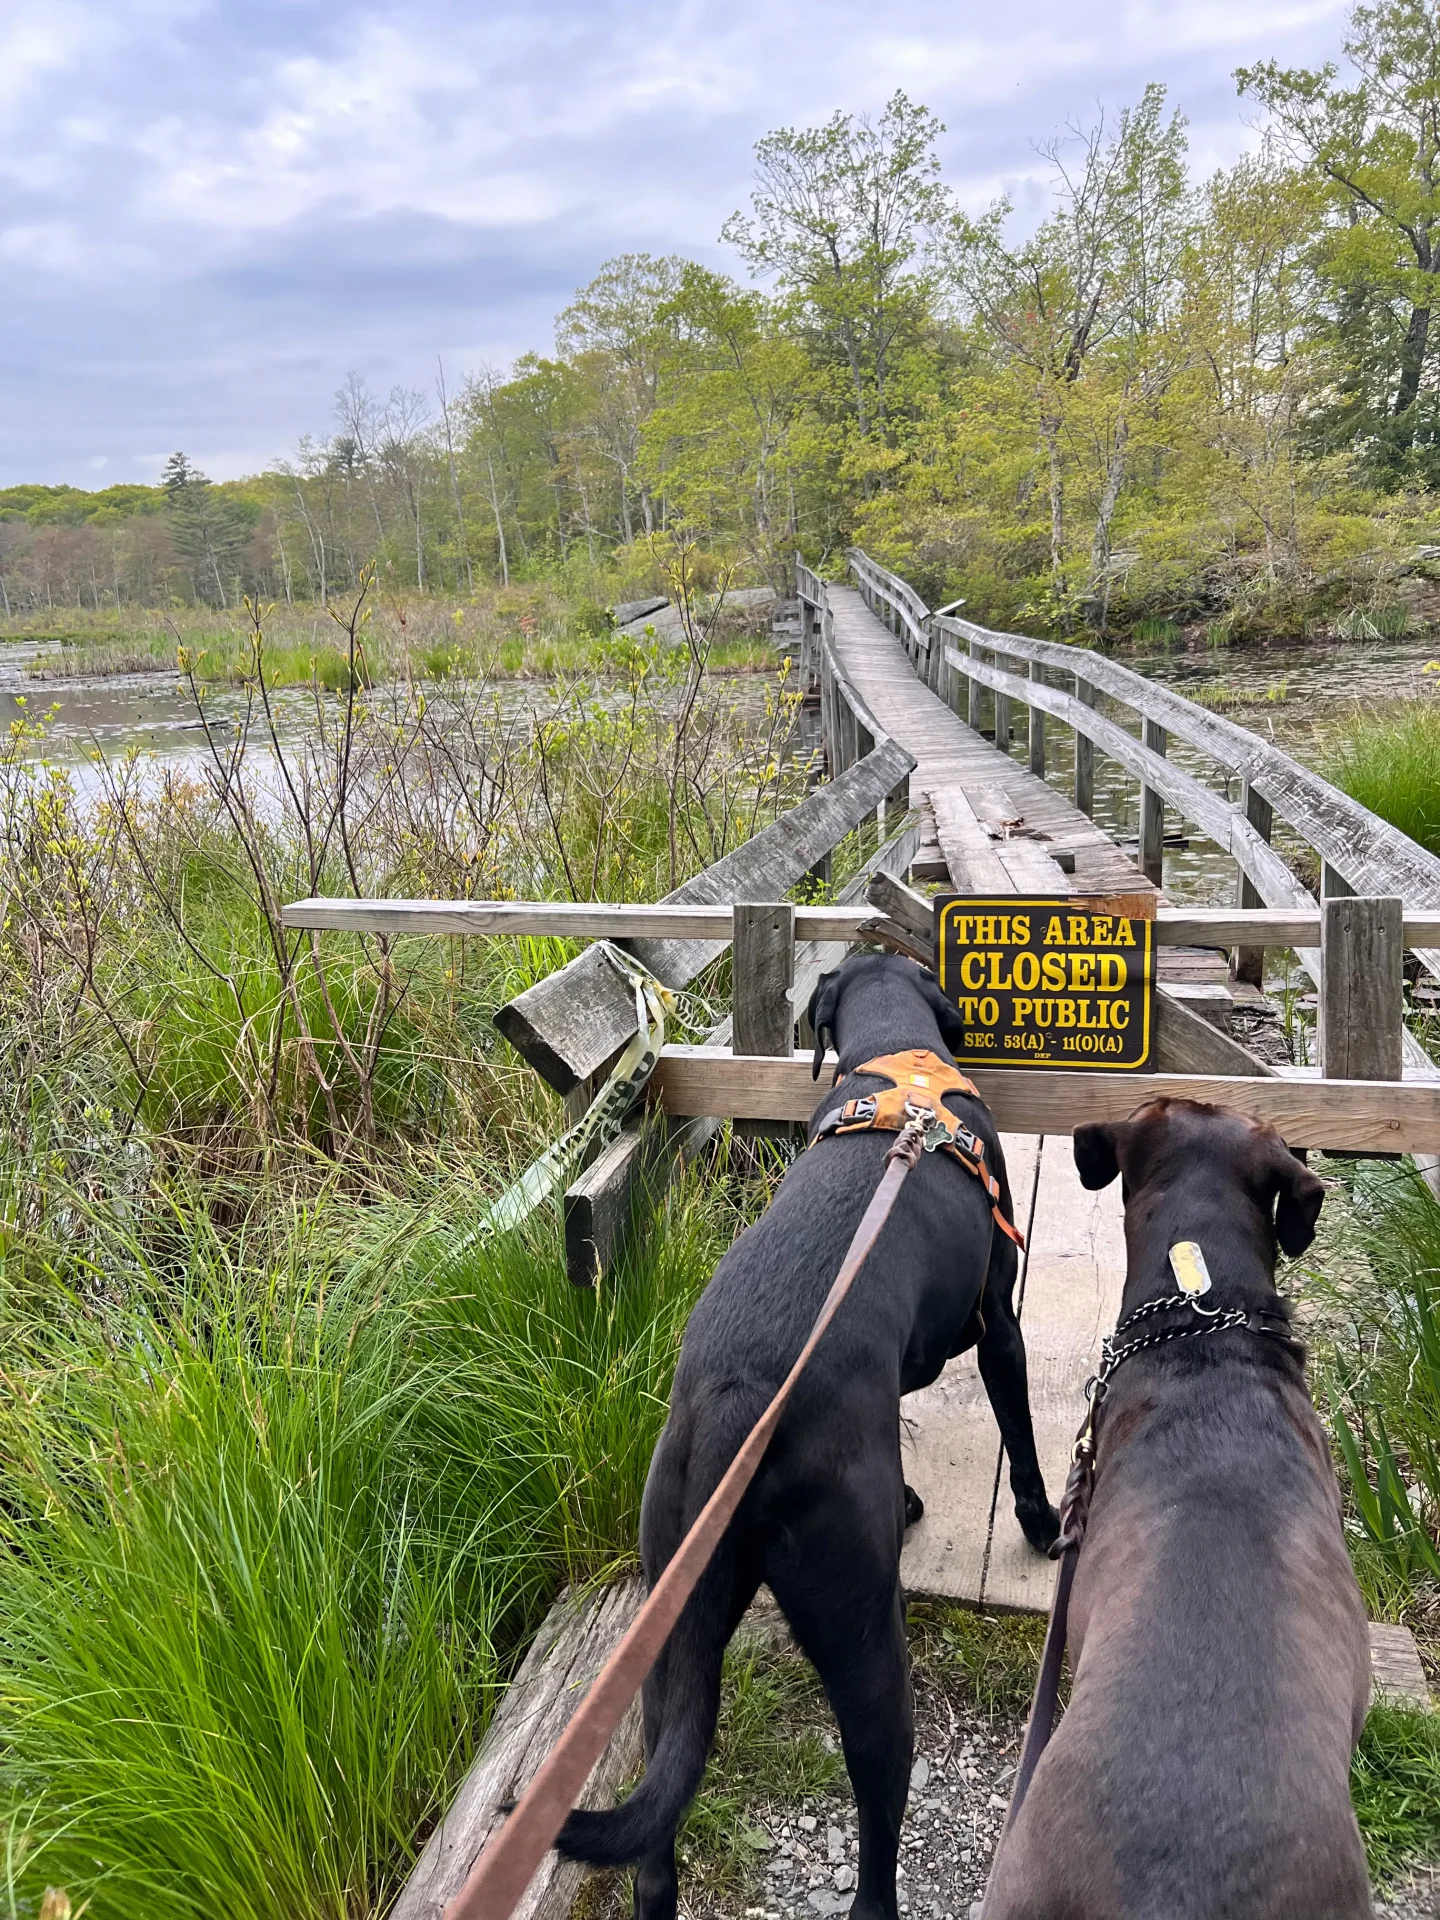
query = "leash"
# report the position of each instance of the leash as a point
(1080, 1484)
(498, 1879)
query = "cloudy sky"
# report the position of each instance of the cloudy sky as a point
(211, 210)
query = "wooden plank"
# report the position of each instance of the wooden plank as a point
(950, 1446)
(1152, 814)
(1362, 989)
(1084, 754)
(974, 705)
(1185, 1042)
(569, 1650)
(1219, 927)
(1037, 726)
(566, 1024)
(768, 865)
(764, 972)
(1396, 1674)
(1356, 1115)
(596, 1208)
(1250, 960)
(1074, 1277)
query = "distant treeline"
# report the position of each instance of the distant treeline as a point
(1209, 400)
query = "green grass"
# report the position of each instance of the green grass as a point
(994, 1657)
(1388, 758)
(275, 1525)
(1395, 1785)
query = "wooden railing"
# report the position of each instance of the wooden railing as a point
(1359, 852)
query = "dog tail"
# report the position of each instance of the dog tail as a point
(693, 1656)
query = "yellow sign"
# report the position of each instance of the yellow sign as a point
(1044, 983)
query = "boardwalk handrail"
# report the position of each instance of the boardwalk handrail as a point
(850, 729)
(1367, 854)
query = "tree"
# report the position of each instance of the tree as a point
(841, 217)
(1377, 146)
(1088, 306)
(210, 530)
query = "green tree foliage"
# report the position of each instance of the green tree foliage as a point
(1376, 144)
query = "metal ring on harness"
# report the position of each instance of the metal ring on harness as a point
(919, 1081)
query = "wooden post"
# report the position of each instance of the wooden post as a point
(1250, 961)
(1037, 725)
(1084, 754)
(1333, 885)
(1362, 990)
(1002, 709)
(763, 1020)
(973, 711)
(1152, 814)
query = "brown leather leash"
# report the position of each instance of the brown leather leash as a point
(500, 1876)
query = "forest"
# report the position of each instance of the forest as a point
(1210, 401)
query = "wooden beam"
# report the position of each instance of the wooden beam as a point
(596, 1207)
(1152, 814)
(1378, 1116)
(1037, 726)
(1218, 927)
(763, 973)
(1250, 960)
(576, 1639)
(1362, 990)
(1084, 753)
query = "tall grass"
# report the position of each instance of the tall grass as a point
(274, 1523)
(1388, 758)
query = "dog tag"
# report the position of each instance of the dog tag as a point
(1187, 1263)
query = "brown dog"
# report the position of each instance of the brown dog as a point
(1218, 1644)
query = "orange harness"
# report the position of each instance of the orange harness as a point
(919, 1080)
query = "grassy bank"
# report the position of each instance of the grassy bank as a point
(495, 634)
(1388, 758)
(276, 1520)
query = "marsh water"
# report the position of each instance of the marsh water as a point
(1295, 693)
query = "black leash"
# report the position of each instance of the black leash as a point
(1080, 1486)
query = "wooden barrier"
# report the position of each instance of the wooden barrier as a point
(1363, 1116)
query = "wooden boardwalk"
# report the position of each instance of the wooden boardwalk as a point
(969, 1545)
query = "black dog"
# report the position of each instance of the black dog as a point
(1217, 1636)
(824, 1519)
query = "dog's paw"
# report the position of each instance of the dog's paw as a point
(914, 1506)
(1039, 1522)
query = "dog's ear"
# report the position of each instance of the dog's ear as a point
(1299, 1196)
(1097, 1152)
(947, 1015)
(821, 1015)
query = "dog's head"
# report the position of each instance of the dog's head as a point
(880, 1003)
(1164, 1138)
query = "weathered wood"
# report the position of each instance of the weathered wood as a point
(903, 904)
(1185, 1042)
(1371, 853)
(764, 972)
(1396, 1673)
(569, 1650)
(1084, 754)
(1218, 927)
(768, 865)
(1362, 1002)
(1002, 709)
(596, 1207)
(1152, 814)
(571, 1023)
(1362, 1116)
(1037, 726)
(1333, 884)
(1250, 960)
(974, 704)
